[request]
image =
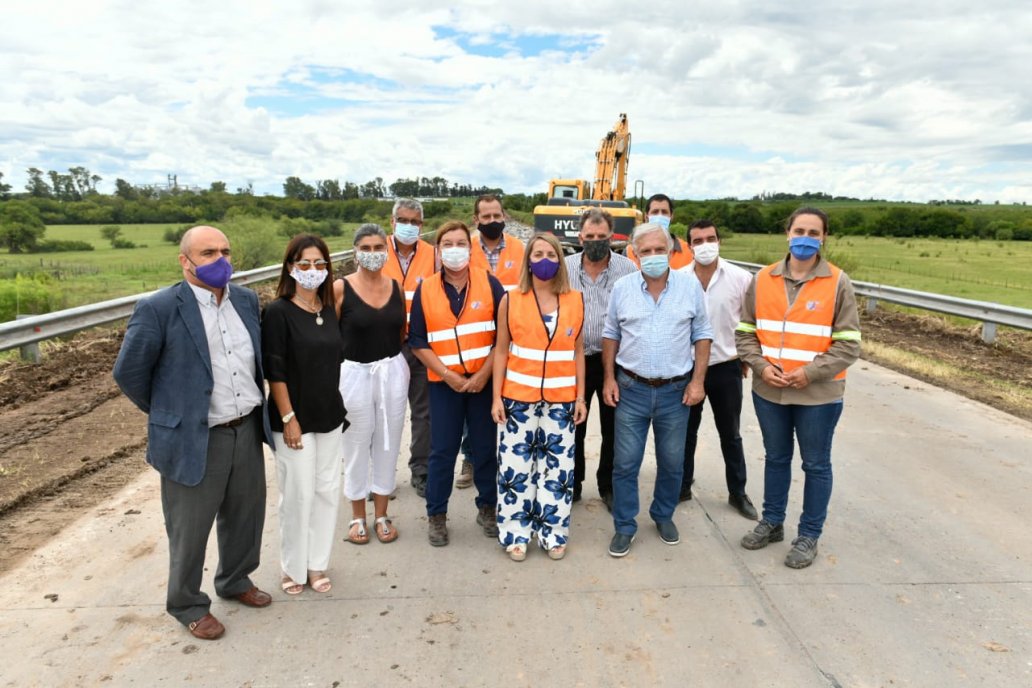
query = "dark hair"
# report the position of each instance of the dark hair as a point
(451, 226)
(287, 287)
(596, 215)
(807, 210)
(702, 224)
(658, 197)
(486, 198)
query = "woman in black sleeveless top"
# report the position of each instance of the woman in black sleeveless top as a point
(373, 383)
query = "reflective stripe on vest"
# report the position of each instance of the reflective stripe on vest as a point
(540, 367)
(464, 342)
(792, 336)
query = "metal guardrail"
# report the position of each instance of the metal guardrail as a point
(990, 314)
(29, 331)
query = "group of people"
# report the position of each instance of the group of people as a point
(498, 348)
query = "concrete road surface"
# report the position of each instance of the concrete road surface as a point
(924, 578)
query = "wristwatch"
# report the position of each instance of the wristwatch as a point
(286, 418)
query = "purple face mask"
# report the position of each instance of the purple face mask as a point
(544, 269)
(216, 275)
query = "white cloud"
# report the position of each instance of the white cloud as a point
(921, 101)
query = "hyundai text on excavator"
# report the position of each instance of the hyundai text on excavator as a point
(569, 198)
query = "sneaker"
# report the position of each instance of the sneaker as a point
(418, 483)
(438, 533)
(465, 478)
(743, 505)
(620, 545)
(763, 534)
(802, 554)
(486, 520)
(668, 532)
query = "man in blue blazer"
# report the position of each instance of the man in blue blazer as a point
(191, 360)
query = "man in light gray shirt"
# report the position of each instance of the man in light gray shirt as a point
(593, 272)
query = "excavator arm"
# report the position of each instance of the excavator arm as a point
(612, 156)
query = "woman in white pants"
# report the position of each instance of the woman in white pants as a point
(301, 351)
(374, 382)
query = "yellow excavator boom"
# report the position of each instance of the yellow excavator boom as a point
(611, 160)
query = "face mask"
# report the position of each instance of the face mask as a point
(216, 275)
(706, 253)
(309, 279)
(406, 233)
(455, 257)
(544, 269)
(491, 230)
(655, 266)
(661, 220)
(596, 250)
(804, 247)
(371, 260)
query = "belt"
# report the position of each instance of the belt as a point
(654, 381)
(235, 422)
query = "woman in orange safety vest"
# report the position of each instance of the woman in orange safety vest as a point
(538, 400)
(799, 331)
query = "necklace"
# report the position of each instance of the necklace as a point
(311, 308)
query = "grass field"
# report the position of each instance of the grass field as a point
(997, 271)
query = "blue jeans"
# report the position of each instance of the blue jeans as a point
(641, 406)
(449, 412)
(814, 427)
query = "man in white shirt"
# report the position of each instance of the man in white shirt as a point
(725, 286)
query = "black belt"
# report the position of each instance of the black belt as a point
(654, 381)
(235, 422)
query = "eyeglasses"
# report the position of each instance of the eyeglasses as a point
(415, 222)
(307, 264)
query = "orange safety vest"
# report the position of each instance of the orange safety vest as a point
(542, 367)
(420, 267)
(678, 259)
(510, 261)
(464, 342)
(791, 337)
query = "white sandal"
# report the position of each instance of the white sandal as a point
(390, 533)
(362, 537)
(518, 551)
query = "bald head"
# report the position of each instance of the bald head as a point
(200, 246)
(198, 234)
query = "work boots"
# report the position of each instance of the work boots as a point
(438, 533)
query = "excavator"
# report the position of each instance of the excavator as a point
(569, 198)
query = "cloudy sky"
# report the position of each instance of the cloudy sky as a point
(919, 100)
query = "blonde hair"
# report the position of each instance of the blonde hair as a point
(561, 281)
(450, 226)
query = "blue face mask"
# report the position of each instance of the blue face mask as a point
(406, 233)
(661, 220)
(655, 266)
(804, 247)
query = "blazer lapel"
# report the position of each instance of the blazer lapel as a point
(190, 312)
(248, 316)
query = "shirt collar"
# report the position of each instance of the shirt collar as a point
(501, 245)
(207, 298)
(820, 268)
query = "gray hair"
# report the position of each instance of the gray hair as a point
(407, 204)
(596, 215)
(368, 229)
(648, 228)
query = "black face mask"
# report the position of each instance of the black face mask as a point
(491, 230)
(596, 250)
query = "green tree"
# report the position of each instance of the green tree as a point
(746, 218)
(293, 187)
(111, 233)
(20, 226)
(124, 189)
(218, 187)
(37, 186)
(5, 189)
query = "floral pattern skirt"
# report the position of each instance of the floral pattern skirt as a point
(535, 473)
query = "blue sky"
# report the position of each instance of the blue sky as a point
(918, 102)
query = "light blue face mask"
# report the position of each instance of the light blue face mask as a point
(661, 220)
(406, 233)
(655, 266)
(804, 247)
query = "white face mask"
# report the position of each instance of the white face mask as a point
(371, 260)
(309, 279)
(455, 257)
(706, 253)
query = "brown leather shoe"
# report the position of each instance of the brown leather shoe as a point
(254, 597)
(207, 628)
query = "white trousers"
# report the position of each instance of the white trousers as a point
(309, 494)
(375, 395)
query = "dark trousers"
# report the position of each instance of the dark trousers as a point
(724, 390)
(419, 408)
(593, 379)
(232, 496)
(449, 412)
